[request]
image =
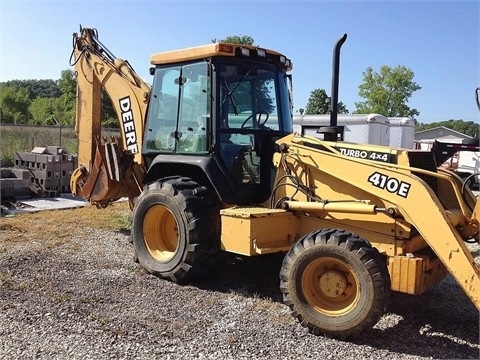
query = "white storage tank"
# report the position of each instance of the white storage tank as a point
(358, 128)
(402, 131)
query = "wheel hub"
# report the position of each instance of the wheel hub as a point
(333, 283)
(160, 231)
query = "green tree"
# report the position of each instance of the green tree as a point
(14, 102)
(50, 111)
(68, 84)
(387, 91)
(41, 110)
(37, 88)
(47, 102)
(109, 116)
(320, 103)
(66, 107)
(67, 103)
(236, 39)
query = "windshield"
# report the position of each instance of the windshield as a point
(254, 111)
(253, 96)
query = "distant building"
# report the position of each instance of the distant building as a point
(442, 134)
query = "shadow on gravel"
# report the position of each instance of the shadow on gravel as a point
(424, 325)
(250, 276)
(441, 323)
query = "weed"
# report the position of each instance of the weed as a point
(166, 331)
(5, 276)
(121, 221)
(62, 297)
(232, 338)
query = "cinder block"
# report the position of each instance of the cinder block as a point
(42, 174)
(68, 166)
(70, 158)
(43, 159)
(47, 170)
(21, 174)
(55, 150)
(52, 166)
(46, 192)
(67, 173)
(6, 192)
(63, 158)
(24, 160)
(19, 183)
(6, 183)
(65, 181)
(48, 183)
(24, 193)
(39, 150)
(21, 188)
(28, 156)
(57, 166)
(64, 188)
(6, 188)
(5, 173)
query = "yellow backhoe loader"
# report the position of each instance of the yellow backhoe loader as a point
(209, 163)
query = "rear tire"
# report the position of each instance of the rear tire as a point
(335, 283)
(176, 229)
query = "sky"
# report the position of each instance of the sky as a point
(438, 40)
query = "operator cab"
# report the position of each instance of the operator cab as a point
(216, 119)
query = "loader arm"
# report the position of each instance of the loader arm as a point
(108, 169)
(389, 189)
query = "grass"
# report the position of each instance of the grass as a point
(52, 226)
(23, 138)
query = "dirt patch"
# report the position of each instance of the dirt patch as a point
(46, 226)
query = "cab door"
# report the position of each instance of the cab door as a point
(179, 110)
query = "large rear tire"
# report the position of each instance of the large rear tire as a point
(335, 283)
(176, 229)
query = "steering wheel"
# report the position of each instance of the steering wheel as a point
(260, 122)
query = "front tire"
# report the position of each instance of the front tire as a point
(335, 283)
(176, 229)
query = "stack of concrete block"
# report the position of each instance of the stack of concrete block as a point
(14, 183)
(50, 169)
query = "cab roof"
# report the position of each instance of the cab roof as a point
(218, 49)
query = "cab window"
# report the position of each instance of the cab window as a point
(178, 112)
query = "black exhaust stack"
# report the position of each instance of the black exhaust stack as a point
(331, 132)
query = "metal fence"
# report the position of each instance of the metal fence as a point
(21, 138)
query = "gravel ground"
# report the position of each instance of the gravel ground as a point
(83, 297)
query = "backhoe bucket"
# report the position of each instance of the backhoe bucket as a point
(113, 175)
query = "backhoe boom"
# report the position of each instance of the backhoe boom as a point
(117, 167)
